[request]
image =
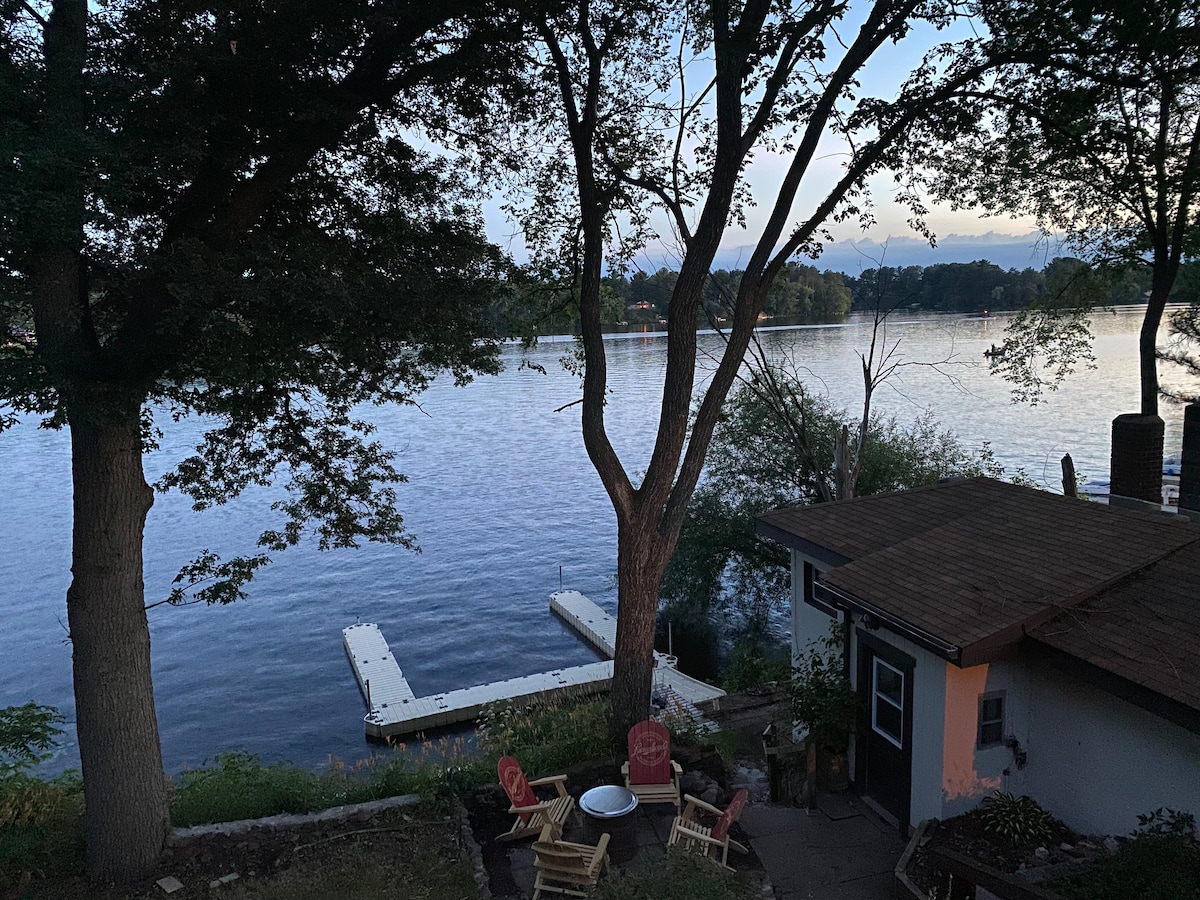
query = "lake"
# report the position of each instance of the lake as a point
(501, 495)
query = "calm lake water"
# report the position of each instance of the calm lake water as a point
(501, 495)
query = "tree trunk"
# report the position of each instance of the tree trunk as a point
(125, 790)
(1148, 340)
(641, 560)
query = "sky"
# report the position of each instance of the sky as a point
(963, 235)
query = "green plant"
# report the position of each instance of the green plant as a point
(41, 828)
(747, 668)
(26, 735)
(823, 702)
(1018, 820)
(686, 876)
(1159, 861)
(547, 737)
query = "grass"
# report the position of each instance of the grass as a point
(426, 875)
(686, 876)
(547, 737)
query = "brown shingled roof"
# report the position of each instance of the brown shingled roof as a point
(977, 563)
(1146, 629)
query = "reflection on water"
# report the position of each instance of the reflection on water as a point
(500, 496)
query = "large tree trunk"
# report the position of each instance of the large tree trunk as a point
(641, 560)
(124, 786)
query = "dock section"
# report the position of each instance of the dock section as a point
(394, 711)
(378, 673)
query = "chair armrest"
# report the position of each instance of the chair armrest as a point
(559, 782)
(676, 768)
(549, 779)
(738, 847)
(601, 852)
(625, 770)
(537, 807)
(696, 801)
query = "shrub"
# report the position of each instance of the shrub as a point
(1019, 820)
(686, 876)
(1160, 861)
(41, 828)
(824, 704)
(239, 786)
(747, 668)
(547, 737)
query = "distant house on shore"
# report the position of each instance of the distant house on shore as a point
(1006, 638)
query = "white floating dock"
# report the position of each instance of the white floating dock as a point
(394, 710)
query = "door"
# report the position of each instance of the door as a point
(883, 752)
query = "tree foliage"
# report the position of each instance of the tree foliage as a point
(764, 457)
(1090, 121)
(222, 213)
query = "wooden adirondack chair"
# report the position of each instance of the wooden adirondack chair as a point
(565, 868)
(689, 833)
(533, 814)
(650, 772)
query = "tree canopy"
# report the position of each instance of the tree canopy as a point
(1089, 120)
(221, 212)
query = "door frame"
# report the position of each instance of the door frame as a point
(870, 647)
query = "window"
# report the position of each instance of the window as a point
(887, 702)
(991, 719)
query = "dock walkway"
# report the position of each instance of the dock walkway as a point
(394, 710)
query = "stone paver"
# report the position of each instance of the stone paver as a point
(843, 853)
(818, 856)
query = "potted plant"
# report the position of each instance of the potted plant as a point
(825, 708)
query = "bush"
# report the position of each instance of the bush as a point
(547, 737)
(41, 829)
(747, 668)
(1018, 820)
(239, 786)
(1160, 861)
(686, 876)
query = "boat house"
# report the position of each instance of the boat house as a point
(1006, 638)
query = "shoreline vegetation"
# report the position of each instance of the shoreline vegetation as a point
(803, 294)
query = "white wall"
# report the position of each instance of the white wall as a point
(1096, 761)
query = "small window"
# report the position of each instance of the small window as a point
(991, 719)
(887, 702)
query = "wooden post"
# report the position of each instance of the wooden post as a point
(1070, 489)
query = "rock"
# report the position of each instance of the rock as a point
(1065, 847)
(1042, 853)
(214, 884)
(1111, 844)
(170, 884)
(710, 794)
(225, 879)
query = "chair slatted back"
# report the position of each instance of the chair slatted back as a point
(649, 753)
(720, 831)
(516, 785)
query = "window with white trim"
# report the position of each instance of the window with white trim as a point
(991, 719)
(887, 702)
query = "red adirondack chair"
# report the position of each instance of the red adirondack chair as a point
(650, 773)
(690, 834)
(533, 814)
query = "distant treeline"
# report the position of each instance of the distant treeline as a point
(806, 294)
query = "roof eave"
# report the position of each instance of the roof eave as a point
(845, 600)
